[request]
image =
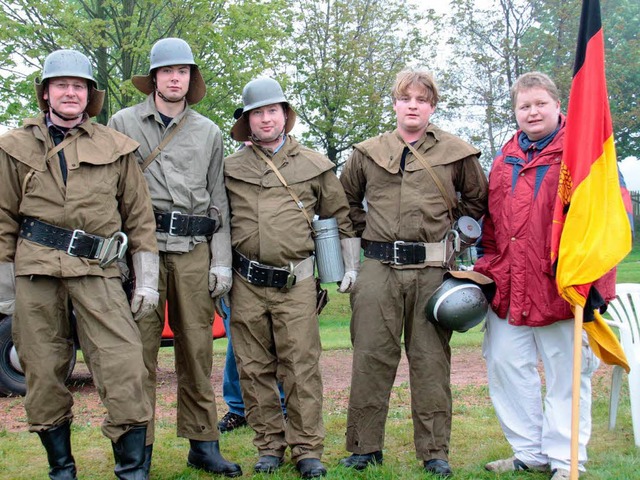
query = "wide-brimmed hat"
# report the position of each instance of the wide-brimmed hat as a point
(258, 93)
(168, 52)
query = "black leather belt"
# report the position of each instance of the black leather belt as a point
(180, 224)
(262, 275)
(76, 243)
(398, 253)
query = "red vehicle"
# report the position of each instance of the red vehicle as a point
(12, 381)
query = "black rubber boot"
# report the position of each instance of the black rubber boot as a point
(57, 443)
(438, 467)
(268, 464)
(311, 468)
(206, 456)
(362, 461)
(129, 454)
(148, 452)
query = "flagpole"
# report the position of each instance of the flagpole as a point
(575, 391)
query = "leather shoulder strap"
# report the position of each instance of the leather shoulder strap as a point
(163, 143)
(64, 143)
(435, 177)
(293, 194)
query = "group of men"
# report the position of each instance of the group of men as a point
(201, 231)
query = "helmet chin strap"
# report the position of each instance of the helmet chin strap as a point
(181, 99)
(257, 141)
(64, 117)
(281, 135)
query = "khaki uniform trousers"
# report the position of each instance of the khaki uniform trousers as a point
(108, 337)
(386, 303)
(276, 338)
(183, 283)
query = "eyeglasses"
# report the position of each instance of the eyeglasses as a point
(63, 86)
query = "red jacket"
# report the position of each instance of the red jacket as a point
(516, 235)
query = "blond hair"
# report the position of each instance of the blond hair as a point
(530, 80)
(419, 78)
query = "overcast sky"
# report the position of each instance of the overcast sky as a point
(630, 168)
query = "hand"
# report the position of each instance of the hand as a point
(145, 300)
(220, 281)
(7, 288)
(351, 258)
(8, 307)
(348, 281)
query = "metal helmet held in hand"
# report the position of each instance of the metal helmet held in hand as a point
(459, 303)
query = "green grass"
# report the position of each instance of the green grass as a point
(476, 439)
(476, 435)
(629, 268)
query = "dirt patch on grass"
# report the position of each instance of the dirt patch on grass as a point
(468, 368)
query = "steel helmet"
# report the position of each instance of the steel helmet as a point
(261, 92)
(170, 51)
(167, 52)
(69, 63)
(258, 93)
(460, 303)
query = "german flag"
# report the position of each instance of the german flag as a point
(591, 232)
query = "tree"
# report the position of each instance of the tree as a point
(485, 57)
(492, 46)
(621, 24)
(552, 44)
(231, 41)
(343, 59)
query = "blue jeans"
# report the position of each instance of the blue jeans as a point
(231, 392)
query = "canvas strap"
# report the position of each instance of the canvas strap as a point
(64, 143)
(293, 194)
(50, 154)
(425, 163)
(163, 143)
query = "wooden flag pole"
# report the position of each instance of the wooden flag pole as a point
(575, 391)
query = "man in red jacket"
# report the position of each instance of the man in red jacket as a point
(528, 319)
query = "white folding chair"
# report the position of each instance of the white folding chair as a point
(625, 313)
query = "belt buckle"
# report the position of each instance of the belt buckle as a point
(396, 247)
(291, 278)
(423, 245)
(252, 263)
(76, 234)
(452, 238)
(107, 257)
(174, 216)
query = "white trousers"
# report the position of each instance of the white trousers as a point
(538, 429)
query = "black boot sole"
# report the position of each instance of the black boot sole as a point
(237, 473)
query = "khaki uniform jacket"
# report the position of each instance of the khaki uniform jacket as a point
(410, 206)
(105, 193)
(266, 223)
(187, 175)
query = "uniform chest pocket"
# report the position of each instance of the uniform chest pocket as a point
(98, 179)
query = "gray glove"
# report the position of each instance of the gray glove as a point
(146, 266)
(220, 275)
(351, 259)
(7, 288)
